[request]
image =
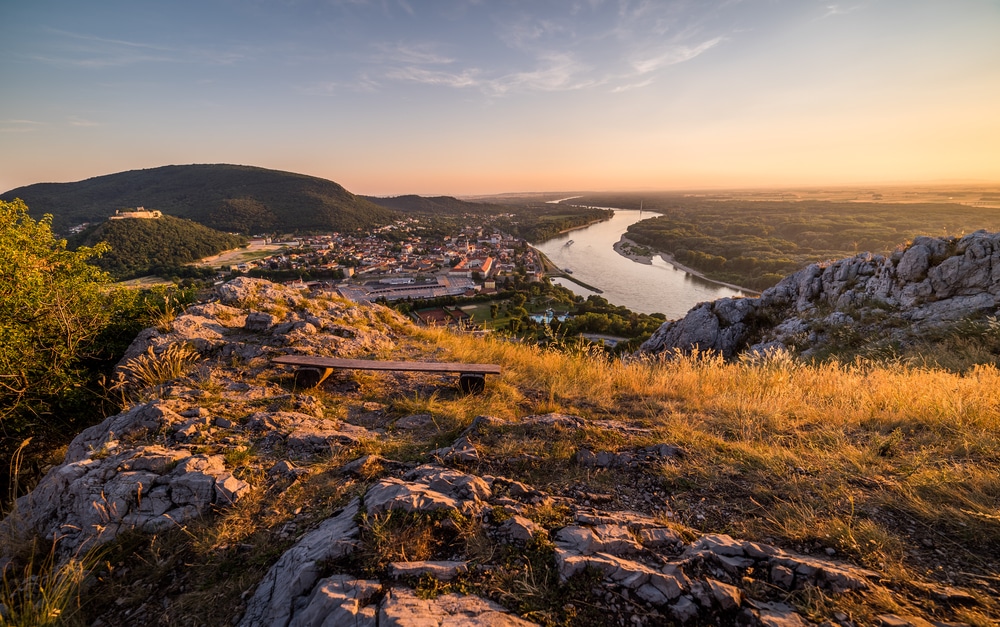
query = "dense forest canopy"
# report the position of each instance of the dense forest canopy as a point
(138, 246)
(241, 199)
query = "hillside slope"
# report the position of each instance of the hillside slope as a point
(576, 490)
(139, 246)
(234, 198)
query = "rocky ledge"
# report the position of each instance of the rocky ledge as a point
(932, 283)
(636, 563)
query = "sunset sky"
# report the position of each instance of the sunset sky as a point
(484, 96)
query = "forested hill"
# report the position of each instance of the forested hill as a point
(139, 246)
(436, 204)
(236, 198)
(532, 221)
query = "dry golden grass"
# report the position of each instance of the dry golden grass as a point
(153, 368)
(884, 464)
(879, 462)
(44, 591)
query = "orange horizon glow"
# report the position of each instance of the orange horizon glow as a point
(489, 100)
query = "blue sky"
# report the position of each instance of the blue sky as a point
(466, 96)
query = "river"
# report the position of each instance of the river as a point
(646, 288)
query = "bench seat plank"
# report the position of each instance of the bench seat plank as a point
(368, 364)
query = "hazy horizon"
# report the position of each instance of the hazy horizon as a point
(468, 97)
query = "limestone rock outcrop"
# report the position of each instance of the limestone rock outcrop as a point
(106, 486)
(296, 574)
(931, 283)
(145, 468)
(632, 555)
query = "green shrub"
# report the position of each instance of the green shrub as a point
(53, 305)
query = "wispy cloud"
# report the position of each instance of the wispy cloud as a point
(403, 4)
(89, 52)
(465, 78)
(363, 83)
(19, 126)
(542, 48)
(631, 86)
(413, 53)
(75, 120)
(81, 50)
(531, 33)
(837, 9)
(556, 72)
(553, 72)
(672, 55)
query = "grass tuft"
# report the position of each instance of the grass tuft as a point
(153, 368)
(44, 591)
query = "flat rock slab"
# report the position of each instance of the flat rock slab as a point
(441, 570)
(297, 570)
(520, 529)
(407, 496)
(614, 539)
(429, 488)
(788, 570)
(402, 608)
(304, 435)
(780, 615)
(339, 600)
(663, 585)
(148, 488)
(455, 484)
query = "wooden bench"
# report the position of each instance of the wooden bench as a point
(312, 371)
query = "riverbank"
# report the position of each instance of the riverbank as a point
(627, 247)
(552, 270)
(648, 288)
(577, 228)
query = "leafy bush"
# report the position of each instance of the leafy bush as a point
(53, 306)
(63, 325)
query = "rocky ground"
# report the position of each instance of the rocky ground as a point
(877, 304)
(325, 507)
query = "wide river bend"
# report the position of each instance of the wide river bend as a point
(646, 288)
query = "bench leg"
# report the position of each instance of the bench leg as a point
(472, 383)
(311, 377)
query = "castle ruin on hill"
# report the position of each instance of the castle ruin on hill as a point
(138, 212)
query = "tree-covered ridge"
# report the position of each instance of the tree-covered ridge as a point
(531, 221)
(755, 244)
(227, 197)
(440, 205)
(544, 221)
(138, 246)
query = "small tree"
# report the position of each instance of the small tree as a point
(53, 306)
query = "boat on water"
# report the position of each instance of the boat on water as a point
(569, 243)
